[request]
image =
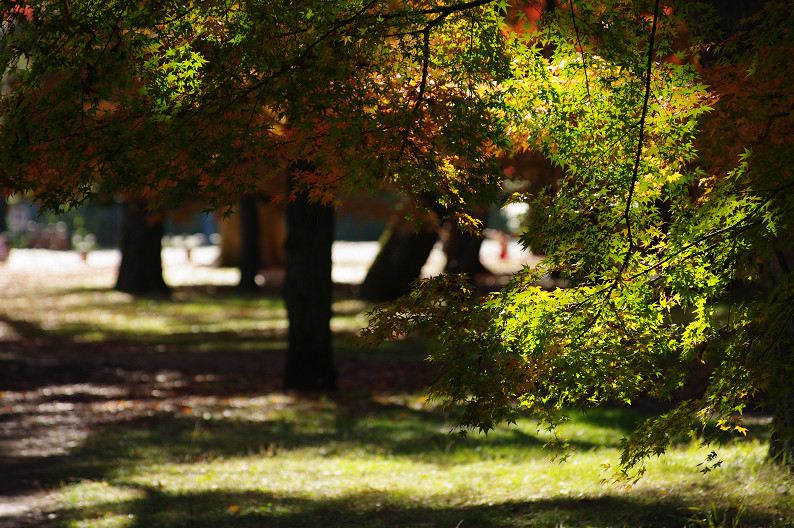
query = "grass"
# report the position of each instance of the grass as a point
(205, 317)
(361, 458)
(280, 460)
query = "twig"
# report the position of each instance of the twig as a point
(635, 172)
(581, 48)
(426, 56)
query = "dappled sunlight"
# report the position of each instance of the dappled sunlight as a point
(287, 460)
(161, 453)
(191, 316)
(95, 315)
(168, 412)
(284, 487)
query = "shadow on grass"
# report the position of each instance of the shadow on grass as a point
(154, 508)
(356, 422)
(168, 438)
(626, 419)
(338, 427)
(22, 327)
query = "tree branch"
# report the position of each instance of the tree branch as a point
(581, 48)
(635, 172)
(426, 57)
(448, 10)
(746, 222)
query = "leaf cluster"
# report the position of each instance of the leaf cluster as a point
(671, 231)
(168, 99)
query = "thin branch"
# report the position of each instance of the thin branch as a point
(426, 57)
(443, 14)
(635, 172)
(444, 11)
(113, 32)
(66, 15)
(302, 55)
(581, 48)
(425, 67)
(339, 24)
(737, 227)
(448, 10)
(178, 16)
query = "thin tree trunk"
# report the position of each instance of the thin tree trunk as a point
(249, 262)
(307, 293)
(141, 268)
(781, 441)
(3, 214)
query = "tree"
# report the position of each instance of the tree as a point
(308, 291)
(672, 226)
(407, 242)
(141, 268)
(162, 100)
(3, 214)
(248, 259)
(269, 220)
(664, 208)
(404, 251)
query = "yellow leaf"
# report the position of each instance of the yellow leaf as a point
(742, 430)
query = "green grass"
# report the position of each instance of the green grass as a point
(364, 458)
(206, 318)
(388, 461)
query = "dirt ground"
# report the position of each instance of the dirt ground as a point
(54, 392)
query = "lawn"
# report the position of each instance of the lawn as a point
(388, 461)
(183, 425)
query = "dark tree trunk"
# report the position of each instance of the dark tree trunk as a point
(141, 269)
(307, 293)
(249, 242)
(3, 214)
(463, 251)
(399, 261)
(781, 442)
(464, 255)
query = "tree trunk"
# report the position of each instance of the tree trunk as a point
(3, 213)
(307, 293)
(463, 250)
(399, 261)
(463, 256)
(249, 262)
(141, 268)
(781, 441)
(270, 226)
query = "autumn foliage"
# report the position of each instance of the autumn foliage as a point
(671, 226)
(213, 98)
(671, 229)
